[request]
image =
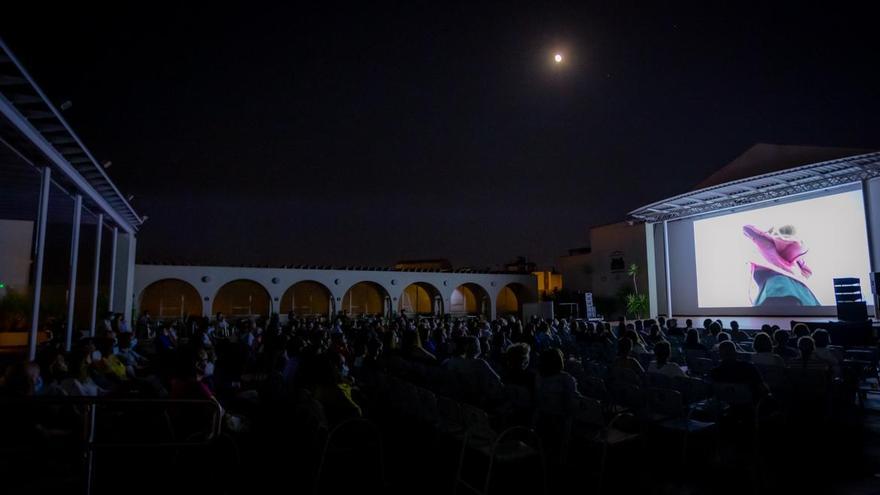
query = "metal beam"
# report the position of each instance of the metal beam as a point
(25, 127)
(74, 261)
(99, 228)
(666, 269)
(45, 183)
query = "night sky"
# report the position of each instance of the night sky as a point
(325, 135)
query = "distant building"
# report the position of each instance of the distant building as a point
(602, 267)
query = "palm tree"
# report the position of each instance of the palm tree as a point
(633, 272)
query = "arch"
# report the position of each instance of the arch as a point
(420, 298)
(470, 299)
(510, 299)
(242, 298)
(365, 298)
(307, 298)
(170, 298)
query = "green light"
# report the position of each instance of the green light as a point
(2, 285)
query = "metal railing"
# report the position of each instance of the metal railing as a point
(87, 408)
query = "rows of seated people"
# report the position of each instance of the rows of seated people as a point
(331, 370)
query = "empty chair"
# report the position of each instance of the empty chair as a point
(669, 413)
(625, 376)
(355, 442)
(514, 444)
(589, 426)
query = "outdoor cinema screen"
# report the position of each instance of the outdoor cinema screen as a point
(782, 256)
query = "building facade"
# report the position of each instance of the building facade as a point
(174, 291)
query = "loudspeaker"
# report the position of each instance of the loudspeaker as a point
(852, 311)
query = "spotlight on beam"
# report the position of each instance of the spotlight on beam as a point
(66, 105)
(107, 164)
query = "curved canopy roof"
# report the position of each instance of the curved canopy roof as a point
(766, 172)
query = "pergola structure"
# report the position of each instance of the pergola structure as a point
(39, 151)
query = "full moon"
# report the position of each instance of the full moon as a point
(557, 58)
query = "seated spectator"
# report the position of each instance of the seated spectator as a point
(661, 364)
(822, 340)
(655, 335)
(474, 373)
(516, 367)
(782, 348)
(127, 356)
(711, 337)
(411, 348)
(191, 382)
(730, 370)
(673, 330)
(692, 341)
(110, 366)
(725, 337)
(800, 330)
(808, 360)
(764, 355)
(625, 360)
(556, 389)
(334, 389)
(79, 382)
(638, 345)
(736, 334)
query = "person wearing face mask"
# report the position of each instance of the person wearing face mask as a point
(192, 382)
(334, 389)
(79, 383)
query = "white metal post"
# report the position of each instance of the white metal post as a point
(666, 265)
(96, 274)
(110, 291)
(869, 219)
(42, 214)
(74, 261)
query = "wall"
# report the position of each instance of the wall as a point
(614, 248)
(577, 271)
(16, 238)
(207, 280)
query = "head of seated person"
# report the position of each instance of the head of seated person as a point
(763, 343)
(692, 338)
(662, 351)
(715, 328)
(517, 356)
(727, 351)
(723, 337)
(551, 363)
(800, 330)
(807, 346)
(821, 338)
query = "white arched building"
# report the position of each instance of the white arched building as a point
(174, 290)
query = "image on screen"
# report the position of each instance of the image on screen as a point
(784, 255)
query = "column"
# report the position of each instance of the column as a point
(96, 273)
(74, 261)
(45, 183)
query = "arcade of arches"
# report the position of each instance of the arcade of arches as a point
(365, 298)
(242, 298)
(171, 298)
(510, 300)
(470, 299)
(422, 299)
(306, 298)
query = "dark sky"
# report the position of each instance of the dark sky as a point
(327, 135)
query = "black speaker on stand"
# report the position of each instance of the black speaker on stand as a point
(850, 304)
